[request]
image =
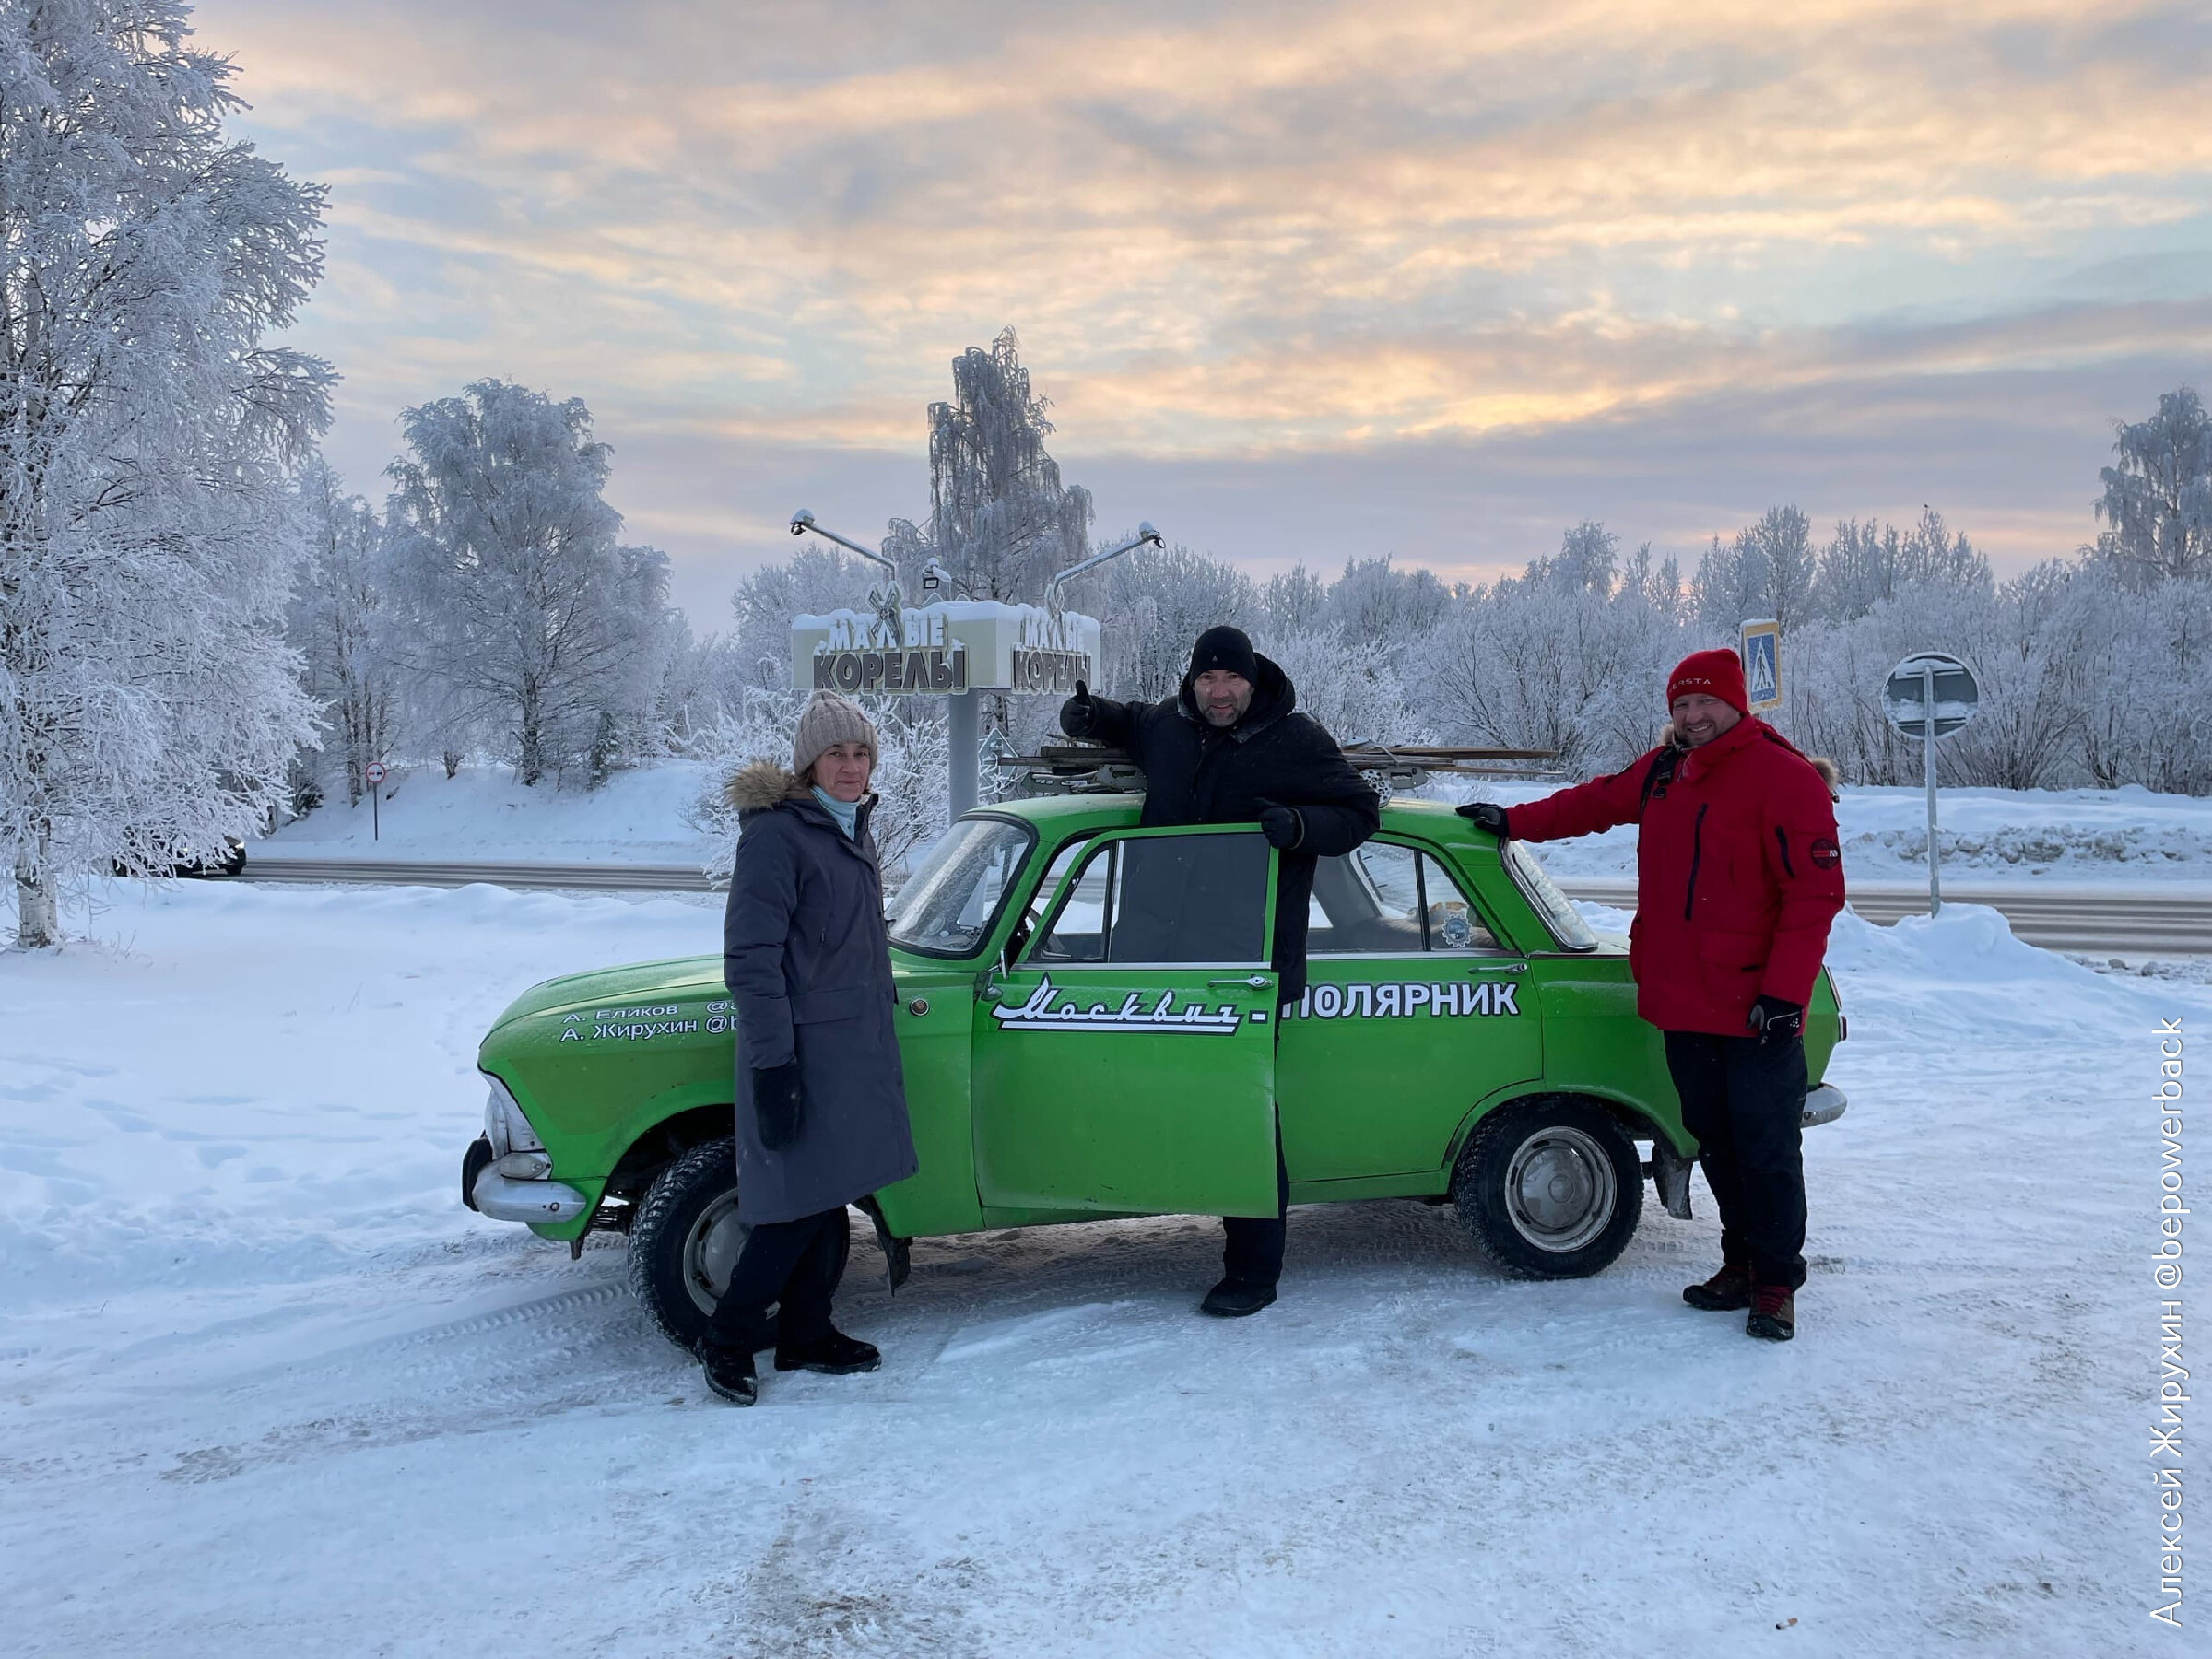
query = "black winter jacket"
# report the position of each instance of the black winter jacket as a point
(808, 966)
(1197, 773)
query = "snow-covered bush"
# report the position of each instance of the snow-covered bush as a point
(909, 777)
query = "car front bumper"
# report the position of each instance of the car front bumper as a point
(1823, 1105)
(489, 1192)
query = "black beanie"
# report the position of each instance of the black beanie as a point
(1224, 648)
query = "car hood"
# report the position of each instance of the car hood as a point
(676, 978)
(633, 982)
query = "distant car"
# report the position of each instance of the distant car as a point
(232, 861)
(1086, 1018)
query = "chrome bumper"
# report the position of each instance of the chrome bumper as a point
(1823, 1105)
(506, 1200)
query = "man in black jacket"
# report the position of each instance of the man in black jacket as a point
(1228, 748)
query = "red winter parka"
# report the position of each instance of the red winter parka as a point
(1737, 873)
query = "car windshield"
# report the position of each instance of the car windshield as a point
(1538, 886)
(949, 903)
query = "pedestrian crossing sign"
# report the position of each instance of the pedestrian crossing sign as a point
(1762, 664)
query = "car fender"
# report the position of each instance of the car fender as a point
(1638, 1119)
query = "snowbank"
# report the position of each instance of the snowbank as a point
(2069, 834)
(641, 816)
(482, 814)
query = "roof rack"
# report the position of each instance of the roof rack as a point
(1085, 768)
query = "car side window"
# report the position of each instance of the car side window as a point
(1385, 900)
(1047, 885)
(1169, 898)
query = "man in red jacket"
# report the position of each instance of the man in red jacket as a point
(1738, 877)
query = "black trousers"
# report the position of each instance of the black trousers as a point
(794, 1265)
(1745, 1102)
(1252, 1246)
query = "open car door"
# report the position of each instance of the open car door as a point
(1126, 1062)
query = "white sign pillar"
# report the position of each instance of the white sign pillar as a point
(962, 753)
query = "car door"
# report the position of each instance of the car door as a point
(1414, 1010)
(1126, 1062)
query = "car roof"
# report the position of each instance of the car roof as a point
(1055, 815)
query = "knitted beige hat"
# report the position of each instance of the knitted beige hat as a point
(826, 719)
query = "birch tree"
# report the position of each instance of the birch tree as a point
(148, 704)
(340, 622)
(524, 605)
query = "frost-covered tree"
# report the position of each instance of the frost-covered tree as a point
(148, 704)
(1000, 518)
(1586, 562)
(2159, 499)
(1730, 585)
(340, 623)
(1153, 605)
(1292, 600)
(543, 627)
(817, 578)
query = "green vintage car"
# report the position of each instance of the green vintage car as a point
(1090, 1030)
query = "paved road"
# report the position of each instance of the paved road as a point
(2137, 917)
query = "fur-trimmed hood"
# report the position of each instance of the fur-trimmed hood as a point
(759, 784)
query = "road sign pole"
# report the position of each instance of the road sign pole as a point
(962, 754)
(1927, 728)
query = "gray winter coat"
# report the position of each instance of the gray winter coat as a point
(808, 964)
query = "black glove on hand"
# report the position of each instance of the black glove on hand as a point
(776, 1104)
(1775, 1020)
(1079, 712)
(1281, 824)
(1485, 814)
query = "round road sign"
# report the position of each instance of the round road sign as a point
(1905, 696)
(374, 771)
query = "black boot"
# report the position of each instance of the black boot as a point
(1236, 1299)
(729, 1373)
(1726, 1290)
(1773, 1313)
(834, 1355)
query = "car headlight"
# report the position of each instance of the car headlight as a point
(505, 1126)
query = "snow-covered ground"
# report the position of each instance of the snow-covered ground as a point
(639, 818)
(267, 1389)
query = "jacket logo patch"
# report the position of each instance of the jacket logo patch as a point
(1135, 1013)
(1401, 1001)
(1825, 853)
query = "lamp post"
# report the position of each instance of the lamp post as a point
(1144, 533)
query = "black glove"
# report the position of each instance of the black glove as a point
(1281, 824)
(1485, 814)
(1079, 712)
(776, 1099)
(1775, 1020)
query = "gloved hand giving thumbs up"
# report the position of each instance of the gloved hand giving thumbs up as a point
(1079, 714)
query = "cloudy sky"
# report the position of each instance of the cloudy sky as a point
(1301, 280)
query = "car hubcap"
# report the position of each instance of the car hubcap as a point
(711, 1251)
(1560, 1189)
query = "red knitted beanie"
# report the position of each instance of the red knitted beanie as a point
(1715, 673)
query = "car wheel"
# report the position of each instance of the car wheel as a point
(1549, 1188)
(686, 1239)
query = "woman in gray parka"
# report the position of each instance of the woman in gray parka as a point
(821, 1103)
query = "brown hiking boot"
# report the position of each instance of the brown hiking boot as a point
(1726, 1290)
(1773, 1313)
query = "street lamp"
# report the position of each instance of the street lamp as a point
(1144, 533)
(803, 520)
